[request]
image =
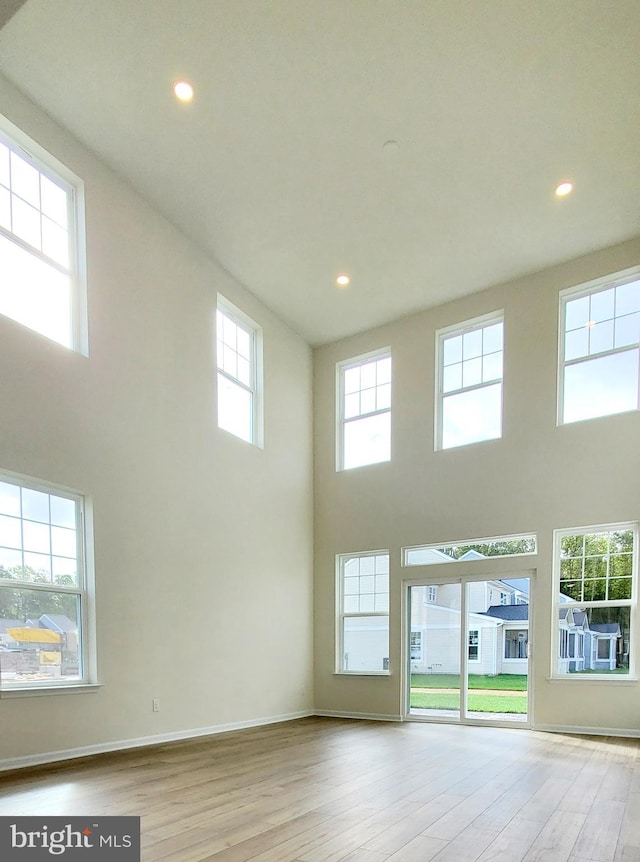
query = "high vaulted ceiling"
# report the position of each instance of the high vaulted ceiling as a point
(279, 169)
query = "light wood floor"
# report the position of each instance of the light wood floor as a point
(323, 790)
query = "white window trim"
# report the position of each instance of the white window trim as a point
(86, 589)
(585, 289)
(13, 137)
(257, 369)
(441, 334)
(612, 679)
(341, 616)
(341, 368)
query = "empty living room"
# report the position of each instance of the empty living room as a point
(320, 409)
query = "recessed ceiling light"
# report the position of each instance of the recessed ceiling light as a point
(564, 189)
(343, 280)
(183, 91)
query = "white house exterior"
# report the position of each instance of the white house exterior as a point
(498, 628)
(583, 645)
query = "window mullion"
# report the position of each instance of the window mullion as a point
(474, 387)
(367, 415)
(235, 380)
(614, 351)
(12, 237)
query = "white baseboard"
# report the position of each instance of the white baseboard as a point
(365, 716)
(140, 742)
(588, 731)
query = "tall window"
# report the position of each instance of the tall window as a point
(595, 589)
(474, 645)
(600, 348)
(364, 389)
(363, 613)
(239, 378)
(41, 241)
(470, 382)
(44, 601)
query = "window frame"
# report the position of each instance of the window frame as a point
(463, 328)
(84, 590)
(589, 288)
(53, 169)
(255, 389)
(341, 368)
(342, 615)
(560, 641)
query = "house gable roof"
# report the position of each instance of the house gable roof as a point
(508, 612)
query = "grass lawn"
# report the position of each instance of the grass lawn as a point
(502, 682)
(476, 702)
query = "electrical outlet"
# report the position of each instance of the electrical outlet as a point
(156, 704)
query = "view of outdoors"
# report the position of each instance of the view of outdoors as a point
(494, 637)
(39, 594)
(594, 602)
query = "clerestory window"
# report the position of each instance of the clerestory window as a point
(239, 380)
(42, 265)
(600, 348)
(364, 410)
(470, 382)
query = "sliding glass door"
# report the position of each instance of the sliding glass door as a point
(468, 650)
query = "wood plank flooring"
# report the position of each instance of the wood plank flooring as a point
(331, 790)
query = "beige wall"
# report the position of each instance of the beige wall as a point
(203, 544)
(536, 478)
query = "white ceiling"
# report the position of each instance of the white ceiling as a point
(278, 168)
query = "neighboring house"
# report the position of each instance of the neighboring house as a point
(497, 639)
(64, 626)
(588, 646)
(47, 645)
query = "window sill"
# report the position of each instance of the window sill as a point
(9, 693)
(590, 678)
(382, 673)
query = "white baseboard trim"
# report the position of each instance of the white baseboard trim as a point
(587, 731)
(141, 742)
(363, 716)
